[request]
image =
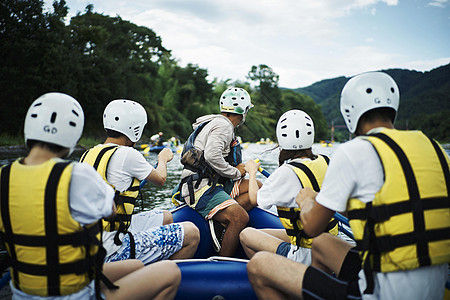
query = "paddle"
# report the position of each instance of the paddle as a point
(337, 215)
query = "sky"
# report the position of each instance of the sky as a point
(303, 41)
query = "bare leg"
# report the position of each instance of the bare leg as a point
(168, 218)
(328, 253)
(159, 280)
(275, 277)
(118, 269)
(255, 240)
(278, 233)
(235, 218)
(190, 241)
(243, 199)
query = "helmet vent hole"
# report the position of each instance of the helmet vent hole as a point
(309, 133)
(75, 113)
(34, 115)
(284, 135)
(234, 98)
(392, 90)
(242, 98)
(53, 118)
(284, 127)
(116, 118)
(308, 124)
(347, 111)
(73, 124)
(283, 120)
(235, 104)
(369, 90)
(297, 134)
(38, 104)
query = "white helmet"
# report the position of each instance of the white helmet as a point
(235, 100)
(365, 92)
(55, 118)
(125, 116)
(295, 130)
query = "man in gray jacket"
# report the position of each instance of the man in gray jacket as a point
(213, 185)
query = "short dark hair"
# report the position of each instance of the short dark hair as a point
(113, 134)
(291, 154)
(385, 114)
(49, 146)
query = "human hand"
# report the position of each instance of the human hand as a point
(165, 154)
(241, 168)
(252, 167)
(304, 194)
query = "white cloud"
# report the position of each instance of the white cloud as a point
(427, 65)
(438, 3)
(301, 40)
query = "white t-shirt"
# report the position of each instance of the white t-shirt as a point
(125, 164)
(280, 188)
(90, 199)
(355, 171)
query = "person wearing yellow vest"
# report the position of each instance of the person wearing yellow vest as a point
(148, 236)
(49, 218)
(394, 185)
(299, 168)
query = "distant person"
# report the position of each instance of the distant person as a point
(50, 212)
(148, 236)
(299, 168)
(157, 139)
(395, 186)
(212, 178)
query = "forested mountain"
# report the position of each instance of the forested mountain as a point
(424, 100)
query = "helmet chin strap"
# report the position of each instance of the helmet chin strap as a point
(242, 120)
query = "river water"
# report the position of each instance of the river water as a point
(160, 197)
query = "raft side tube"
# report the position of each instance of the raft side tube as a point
(259, 218)
(216, 276)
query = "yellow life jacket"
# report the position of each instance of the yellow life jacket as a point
(407, 225)
(51, 254)
(99, 158)
(310, 174)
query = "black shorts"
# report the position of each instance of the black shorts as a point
(350, 266)
(320, 285)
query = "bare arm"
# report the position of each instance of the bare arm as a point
(159, 175)
(252, 167)
(314, 216)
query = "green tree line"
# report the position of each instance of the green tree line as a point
(97, 58)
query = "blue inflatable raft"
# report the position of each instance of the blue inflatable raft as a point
(207, 276)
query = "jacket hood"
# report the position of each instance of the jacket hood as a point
(208, 118)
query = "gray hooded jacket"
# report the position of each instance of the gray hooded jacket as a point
(214, 139)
